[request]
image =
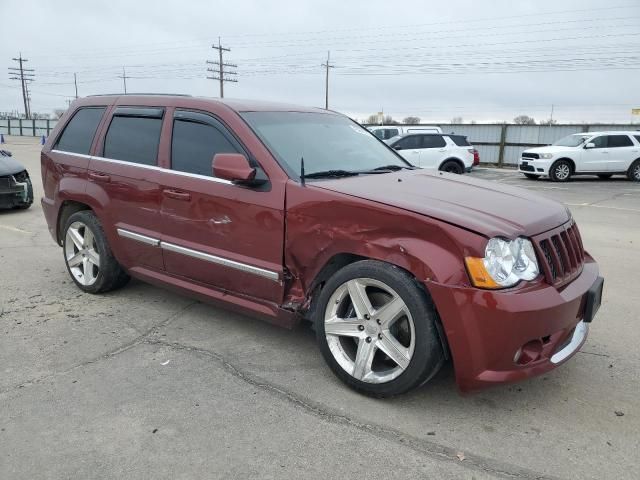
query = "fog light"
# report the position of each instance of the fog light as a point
(529, 352)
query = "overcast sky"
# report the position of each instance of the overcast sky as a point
(482, 61)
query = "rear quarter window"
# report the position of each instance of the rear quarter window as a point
(77, 136)
(460, 140)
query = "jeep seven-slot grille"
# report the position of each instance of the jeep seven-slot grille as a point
(561, 254)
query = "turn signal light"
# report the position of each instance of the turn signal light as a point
(478, 274)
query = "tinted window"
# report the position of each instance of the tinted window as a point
(599, 142)
(79, 132)
(433, 141)
(390, 132)
(133, 139)
(408, 143)
(619, 141)
(637, 137)
(460, 140)
(193, 146)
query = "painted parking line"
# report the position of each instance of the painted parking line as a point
(14, 229)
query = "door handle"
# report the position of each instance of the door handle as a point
(177, 195)
(99, 177)
(442, 150)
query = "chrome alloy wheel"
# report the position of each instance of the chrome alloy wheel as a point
(562, 171)
(81, 253)
(369, 330)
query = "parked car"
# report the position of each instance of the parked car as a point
(389, 131)
(16, 190)
(444, 152)
(595, 153)
(293, 213)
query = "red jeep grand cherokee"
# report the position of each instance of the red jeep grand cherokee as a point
(290, 213)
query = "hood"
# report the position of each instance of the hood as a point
(550, 149)
(488, 208)
(9, 166)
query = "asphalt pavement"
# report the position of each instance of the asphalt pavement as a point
(144, 383)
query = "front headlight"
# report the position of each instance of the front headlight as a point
(505, 263)
(546, 156)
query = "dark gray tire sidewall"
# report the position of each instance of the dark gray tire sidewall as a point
(631, 169)
(459, 170)
(427, 357)
(89, 219)
(552, 171)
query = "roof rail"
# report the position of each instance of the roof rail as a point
(139, 94)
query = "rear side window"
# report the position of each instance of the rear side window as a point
(390, 133)
(619, 141)
(77, 136)
(460, 140)
(637, 137)
(194, 144)
(133, 139)
(433, 141)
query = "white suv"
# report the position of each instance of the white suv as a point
(390, 131)
(595, 153)
(446, 152)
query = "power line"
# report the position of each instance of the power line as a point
(25, 75)
(222, 73)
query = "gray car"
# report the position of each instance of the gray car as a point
(16, 190)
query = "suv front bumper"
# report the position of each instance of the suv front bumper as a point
(536, 166)
(503, 336)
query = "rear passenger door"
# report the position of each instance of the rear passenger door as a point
(214, 232)
(433, 151)
(123, 178)
(622, 151)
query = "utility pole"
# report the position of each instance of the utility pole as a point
(326, 81)
(75, 82)
(220, 70)
(124, 80)
(24, 75)
(551, 117)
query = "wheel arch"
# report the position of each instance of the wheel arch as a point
(568, 159)
(67, 208)
(454, 159)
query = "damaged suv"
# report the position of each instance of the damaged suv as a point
(16, 190)
(294, 213)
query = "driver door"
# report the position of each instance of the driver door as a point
(595, 159)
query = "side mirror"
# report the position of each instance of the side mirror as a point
(590, 145)
(233, 167)
(397, 147)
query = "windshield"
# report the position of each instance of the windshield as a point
(325, 141)
(571, 140)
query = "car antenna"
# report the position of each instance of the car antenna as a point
(302, 171)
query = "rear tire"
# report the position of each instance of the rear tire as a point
(451, 166)
(605, 176)
(88, 257)
(385, 342)
(633, 173)
(531, 176)
(561, 171)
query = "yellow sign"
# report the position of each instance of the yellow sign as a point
(635, 111)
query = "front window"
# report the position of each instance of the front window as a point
(325, 141)
(571, 141)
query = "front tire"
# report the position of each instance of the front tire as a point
(633, 173)
(376, 329)
(88, 257)
(561, 171)
(451, 166)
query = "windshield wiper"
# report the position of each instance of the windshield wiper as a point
(331, 173)
(388, 168)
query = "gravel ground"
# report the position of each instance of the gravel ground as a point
(143, 383)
